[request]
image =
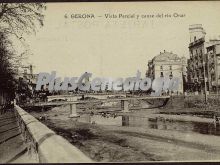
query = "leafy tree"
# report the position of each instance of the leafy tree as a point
(16, 19)
(20, 18)
(7, 71)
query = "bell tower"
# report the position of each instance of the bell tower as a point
(196, 32)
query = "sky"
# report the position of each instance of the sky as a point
(115, 47)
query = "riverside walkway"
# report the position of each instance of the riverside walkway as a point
(12, 146)
(23, 139)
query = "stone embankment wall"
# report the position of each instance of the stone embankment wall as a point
(197, 101)
(44, 144)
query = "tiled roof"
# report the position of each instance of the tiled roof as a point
(166, 56)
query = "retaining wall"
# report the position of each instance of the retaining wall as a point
(44, 144)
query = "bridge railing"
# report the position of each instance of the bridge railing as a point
(44, 144)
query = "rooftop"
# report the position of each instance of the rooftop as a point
(166, 56)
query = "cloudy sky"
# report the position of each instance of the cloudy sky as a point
(116, 47)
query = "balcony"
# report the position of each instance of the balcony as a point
(197, 42)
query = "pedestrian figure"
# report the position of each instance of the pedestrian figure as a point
(114, 115)
(102, 114)
(91, 113)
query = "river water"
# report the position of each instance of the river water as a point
(152, 123)
(137, 118)
(113, 136)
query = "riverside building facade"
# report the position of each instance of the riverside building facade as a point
(213, 53)
(168, 64)
(198, 67)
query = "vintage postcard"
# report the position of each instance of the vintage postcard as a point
(110, 82)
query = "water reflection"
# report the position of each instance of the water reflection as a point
(102, 120)
(153, 123)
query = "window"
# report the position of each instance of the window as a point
(161, 67)
(213, 78)
(194, 38)
(161, 74)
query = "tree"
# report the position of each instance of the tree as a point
(7, 71)
(16, 19)
(20, 18)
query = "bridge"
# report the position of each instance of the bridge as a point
(79, 96)
(125, 101)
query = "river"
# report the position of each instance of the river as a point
(144, 135)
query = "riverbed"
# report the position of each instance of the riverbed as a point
(143, 135)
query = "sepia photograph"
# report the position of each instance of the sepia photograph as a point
(110, 82)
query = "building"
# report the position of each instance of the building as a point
(168, 64)
(30, 77)
(198, 67)
(213, 53)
